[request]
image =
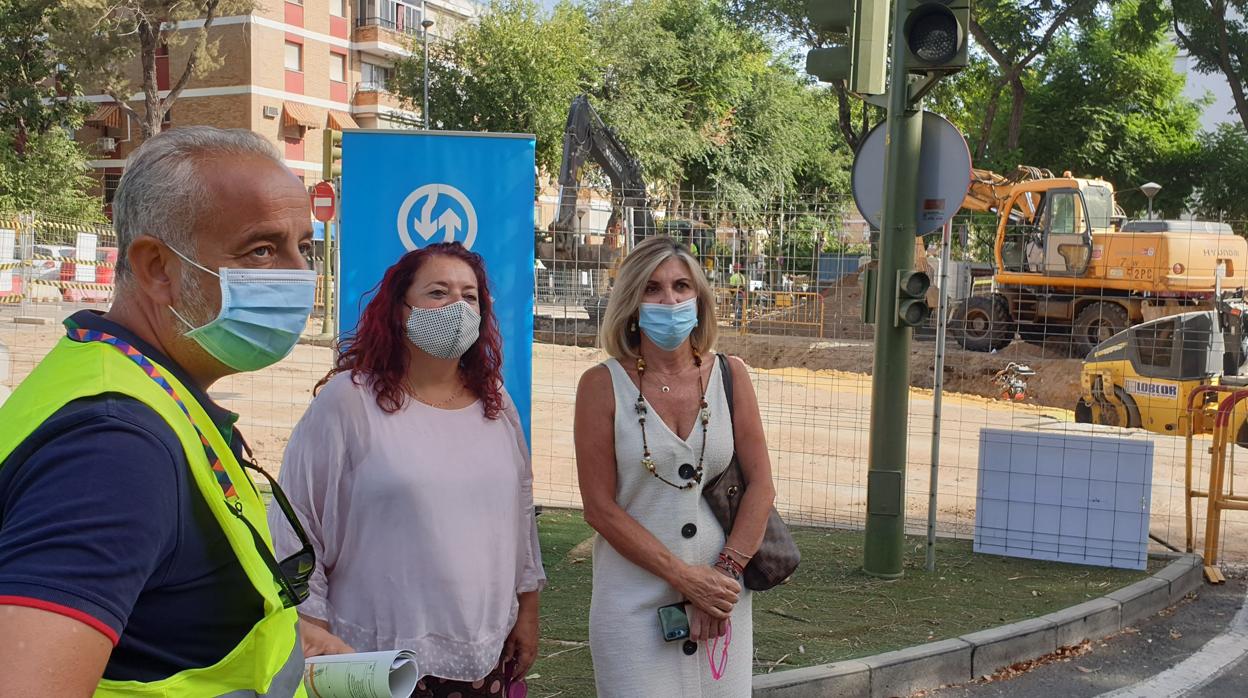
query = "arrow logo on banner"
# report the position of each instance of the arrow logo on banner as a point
(427, 226)
(451, 223)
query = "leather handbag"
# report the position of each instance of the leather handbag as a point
(777, 558)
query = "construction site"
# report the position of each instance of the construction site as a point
(1042, 270)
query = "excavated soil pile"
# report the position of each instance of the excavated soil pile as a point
(1056, 383)
(573, 332)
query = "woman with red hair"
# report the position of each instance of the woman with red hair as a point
(412, 477)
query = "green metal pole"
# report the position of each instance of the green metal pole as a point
(890, 378)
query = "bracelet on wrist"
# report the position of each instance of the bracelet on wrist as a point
(727, 570)
(734, 568)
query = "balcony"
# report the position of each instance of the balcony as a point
(385, 37)
(370, 97)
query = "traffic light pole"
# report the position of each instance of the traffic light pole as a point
(890, 377)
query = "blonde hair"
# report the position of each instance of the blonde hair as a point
(618, 334)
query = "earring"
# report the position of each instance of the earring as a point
(632, 326)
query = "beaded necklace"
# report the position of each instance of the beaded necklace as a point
(704, 415)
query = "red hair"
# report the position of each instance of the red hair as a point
(379, 349)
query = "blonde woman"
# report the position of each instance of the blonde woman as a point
(653, 427)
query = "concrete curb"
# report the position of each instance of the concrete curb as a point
(965, 658)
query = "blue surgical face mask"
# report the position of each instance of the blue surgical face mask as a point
(668, 326)
(263, 312)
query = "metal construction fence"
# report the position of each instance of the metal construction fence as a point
(794, 314)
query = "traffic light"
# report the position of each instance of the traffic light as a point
(863, 60)
(936, 35)
(912, 309)
(331, 155)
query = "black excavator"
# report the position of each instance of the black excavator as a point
(586, 136)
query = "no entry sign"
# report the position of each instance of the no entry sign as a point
(323, 201)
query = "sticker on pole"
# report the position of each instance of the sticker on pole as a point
(944, 175)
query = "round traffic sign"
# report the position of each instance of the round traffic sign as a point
(944, 175)
(324, 201)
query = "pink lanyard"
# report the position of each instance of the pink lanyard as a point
(717, 672)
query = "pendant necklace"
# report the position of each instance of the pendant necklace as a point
(441, 404)
(668, 389)
(704, 416)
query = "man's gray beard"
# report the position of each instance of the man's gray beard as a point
(193, 304)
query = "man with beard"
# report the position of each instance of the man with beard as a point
(135, 556)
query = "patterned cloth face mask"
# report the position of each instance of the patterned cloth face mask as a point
(444, 333)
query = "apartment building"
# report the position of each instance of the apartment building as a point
(291, 69)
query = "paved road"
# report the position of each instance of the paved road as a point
(1173, 654)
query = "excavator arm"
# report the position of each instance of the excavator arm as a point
(990, 191)
(586, 136)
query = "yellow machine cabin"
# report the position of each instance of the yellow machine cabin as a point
(1149, 375)
(1067, 262)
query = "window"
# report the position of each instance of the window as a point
(374, 77)
(411, 17)
(1062, 220)
(338, 8)
(111, 180)
(1100, 205)
(337, 67)
(388, 13)
(1155, 343)
(294, 56)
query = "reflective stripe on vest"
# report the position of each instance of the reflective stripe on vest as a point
(286, 681)
(267, 661)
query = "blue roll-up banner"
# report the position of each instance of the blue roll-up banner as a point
(405, 189)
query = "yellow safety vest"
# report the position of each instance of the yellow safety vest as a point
(268, 661)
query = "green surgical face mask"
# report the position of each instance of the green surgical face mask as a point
(263, 313)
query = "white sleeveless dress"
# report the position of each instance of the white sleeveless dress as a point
(630, 655)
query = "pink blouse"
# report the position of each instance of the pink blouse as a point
(423, 526)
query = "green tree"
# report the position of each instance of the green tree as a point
(710, 105)
(701, 102)
(1014, 34)
(36, 92)
(516, 70)
(106, 38)
(1223, 176)
(1215, 33)
(788, 18)
(1107, 106)
(50, 177)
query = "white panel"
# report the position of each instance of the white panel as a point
(85, 249)
(1064, 497)
(8, 254)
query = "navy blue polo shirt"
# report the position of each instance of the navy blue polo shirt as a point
(100, 521)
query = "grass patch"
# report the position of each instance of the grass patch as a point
(831, 610)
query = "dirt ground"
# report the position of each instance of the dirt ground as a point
(817, 421)
(1056, 383)
(814, 397)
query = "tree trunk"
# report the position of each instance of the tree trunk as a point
(153, 113)
(845, 118)
(985, 127)
(1228, 69)
(1018, 95)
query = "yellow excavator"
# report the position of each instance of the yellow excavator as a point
(1066, 262)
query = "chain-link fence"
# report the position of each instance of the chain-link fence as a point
(1025, 301)
(789, 279)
